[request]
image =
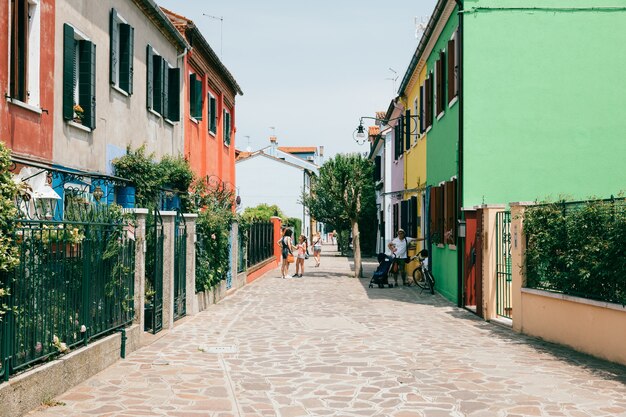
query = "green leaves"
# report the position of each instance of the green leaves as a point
(578, 249)
(8, 252)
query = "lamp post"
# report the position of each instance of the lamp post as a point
(359, 134)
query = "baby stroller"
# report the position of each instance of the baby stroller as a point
(381, 274)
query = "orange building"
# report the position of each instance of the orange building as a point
(27, 74)
(209, 108)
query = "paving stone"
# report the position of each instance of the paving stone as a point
(329, 346)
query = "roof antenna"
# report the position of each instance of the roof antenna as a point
(393, 78)
(221, 19)
(248, 148)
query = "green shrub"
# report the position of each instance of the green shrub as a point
(578, 249)
(8, 251)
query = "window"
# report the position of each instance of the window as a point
(227, 127)
(407, 130)
(79, 78)
(396, 219)
(24, 51)
(212, 114)
(441, 83)
(428, 101)
(121, 53)
(195, 96)
(378, 162)
(404, 215)
(453, 68)
(443, 213)
(422, 112)
(163, 86)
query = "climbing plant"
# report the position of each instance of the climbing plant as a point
(8, 251)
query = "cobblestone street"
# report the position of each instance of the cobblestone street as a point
(326, 345)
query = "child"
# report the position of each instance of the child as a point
(301, 248)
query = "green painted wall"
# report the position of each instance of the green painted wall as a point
(442, 163)
(544, 101)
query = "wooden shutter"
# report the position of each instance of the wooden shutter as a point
(150, 78)
(87, 80)
(422, 114)
(377, 168)
(157, 65)
(429, 101)
(396, 135)
(407, 129)
(439, 96)
(451, 65)
(127, 46)
(69, 71)
(174, 94)
(414, 217)
(20, 19)
(395, 219)
(166, 88)
(404, 214)
(192, 95)
(213, 116)
(114, 46)
(433, 210)
(199, 100)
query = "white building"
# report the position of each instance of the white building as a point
(271, 176)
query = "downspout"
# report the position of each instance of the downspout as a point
(182, 101)
(459, 196)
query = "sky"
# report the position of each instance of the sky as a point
(309, 69)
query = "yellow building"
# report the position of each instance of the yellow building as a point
(415, 158)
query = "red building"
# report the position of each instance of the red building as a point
(26, 77)
(209, 108)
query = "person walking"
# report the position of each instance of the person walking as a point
(401, 243)
(286, 248)
(317, 248)
(301, 250)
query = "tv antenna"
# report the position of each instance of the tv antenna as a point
(248, 148)
(393, 78)
(221, 19)
(420, 25)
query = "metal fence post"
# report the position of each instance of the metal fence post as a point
(86, 285)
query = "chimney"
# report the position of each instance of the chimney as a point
(320, 160)
(274, 140)
(321, 151)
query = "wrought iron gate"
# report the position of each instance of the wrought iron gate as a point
(154, 273)
(503, 264)
(180, 266)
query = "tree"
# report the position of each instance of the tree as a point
(342, 194)
(262, 212)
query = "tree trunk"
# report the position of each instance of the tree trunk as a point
(356, 243)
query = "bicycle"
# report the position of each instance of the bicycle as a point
(422, 277)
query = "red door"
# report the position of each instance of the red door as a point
(470, 259)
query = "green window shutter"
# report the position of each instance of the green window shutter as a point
(69, 77)
(114, 46)
(166, 90)
(192, 95)
(157, 64)
(87, 81)
(150, 78)
(228, 128)
(174, 95)
(198, 97)
(213, 116)
(407, 130)
(127, 45)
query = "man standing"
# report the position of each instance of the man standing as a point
(401, 242)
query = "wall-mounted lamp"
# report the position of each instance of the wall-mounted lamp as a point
(462, 225)
(98, 194)
(359, 134)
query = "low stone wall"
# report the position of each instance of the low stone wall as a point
(27, 391)
(588, 326)
(261, 269)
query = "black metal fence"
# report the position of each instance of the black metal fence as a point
(577, 248)
(260, 242)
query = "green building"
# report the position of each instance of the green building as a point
(523, 100)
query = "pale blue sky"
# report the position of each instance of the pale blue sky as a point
(309, 68)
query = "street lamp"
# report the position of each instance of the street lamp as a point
(359, 133)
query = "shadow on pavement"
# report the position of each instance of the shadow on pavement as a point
(414, 295)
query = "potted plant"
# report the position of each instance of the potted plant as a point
(79, 113)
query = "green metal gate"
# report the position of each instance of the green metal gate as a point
(154, 273)
(503, 264)
(180, 266)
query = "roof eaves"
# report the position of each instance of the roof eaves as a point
(153, 11)
(430, 28)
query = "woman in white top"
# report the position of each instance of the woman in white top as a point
(401, 243)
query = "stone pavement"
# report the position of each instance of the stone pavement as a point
(326, 345)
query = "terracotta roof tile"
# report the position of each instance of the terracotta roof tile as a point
(374, 130)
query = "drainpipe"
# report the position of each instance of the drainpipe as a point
(459, 196)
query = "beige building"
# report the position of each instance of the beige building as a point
(117, 81)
